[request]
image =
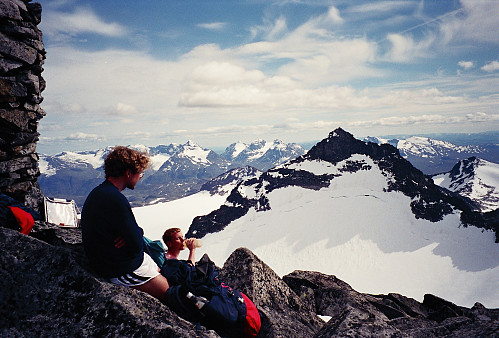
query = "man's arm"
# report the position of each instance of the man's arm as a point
(192, 249)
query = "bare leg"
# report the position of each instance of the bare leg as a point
(156, 287)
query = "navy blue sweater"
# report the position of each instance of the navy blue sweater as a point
(107, 215)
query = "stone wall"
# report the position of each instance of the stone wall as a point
(21, 58)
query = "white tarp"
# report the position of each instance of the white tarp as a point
(61, 212)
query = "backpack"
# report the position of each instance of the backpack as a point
(227, 311)
(156, 250)
(17, 216)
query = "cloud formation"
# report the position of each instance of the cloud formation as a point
(466, 64)
(384, 64)
(491, 67)
(82, 20)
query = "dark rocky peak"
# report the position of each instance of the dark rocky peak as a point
(275, 300)
(464, 168)
(341, 145)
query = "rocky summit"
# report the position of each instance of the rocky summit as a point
(47, 289)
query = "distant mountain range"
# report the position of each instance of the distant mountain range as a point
(179, 170)
(434, 156)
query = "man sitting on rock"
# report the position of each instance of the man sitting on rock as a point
(197, 294)
(112, 239)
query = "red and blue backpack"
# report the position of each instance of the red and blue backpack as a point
(227, 311)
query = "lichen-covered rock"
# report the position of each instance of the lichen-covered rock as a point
(283, 313)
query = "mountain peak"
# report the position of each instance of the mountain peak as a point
(346, 156)
(191, 143)
(474, 178)
(340, 145)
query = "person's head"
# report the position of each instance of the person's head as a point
(174, 239)
(122, 161)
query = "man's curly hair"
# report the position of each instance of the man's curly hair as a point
(121, 159)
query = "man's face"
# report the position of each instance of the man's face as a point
(133, 179)
(177, 241)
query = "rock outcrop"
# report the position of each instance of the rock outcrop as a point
(48, 289)
(21, 58)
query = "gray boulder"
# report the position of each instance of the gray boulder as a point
(393, 315)
(282, 312)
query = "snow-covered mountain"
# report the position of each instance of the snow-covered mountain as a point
(262, 154)
(434, 156)
(476, 179)
(223, 184)
(352, 209)
(177, 170)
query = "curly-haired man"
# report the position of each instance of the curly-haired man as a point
(112, 239)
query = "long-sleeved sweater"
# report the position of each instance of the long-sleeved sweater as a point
(107, 216)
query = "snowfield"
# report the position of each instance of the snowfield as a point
(354, 230)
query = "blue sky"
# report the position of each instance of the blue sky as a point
(216, 72)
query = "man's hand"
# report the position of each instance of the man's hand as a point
(189, 243)
(119, 242)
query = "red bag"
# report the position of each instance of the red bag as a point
(23, 218)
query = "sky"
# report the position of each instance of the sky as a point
(217, 72)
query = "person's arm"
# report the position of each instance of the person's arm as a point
(130, 234)
(192, 249)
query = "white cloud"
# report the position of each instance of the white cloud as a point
(380, 6)
(79, 136)
(466, 64)
(482, 117)
(271, 29)
(475, 21)
(123, 108)
(110, 81)
(491, 67)
(215, 26)
(406, 49)
(440, 119)
(277, 29)
(138, 134)
(333, 14)
(82, 20)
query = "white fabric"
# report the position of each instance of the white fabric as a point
(145, 272)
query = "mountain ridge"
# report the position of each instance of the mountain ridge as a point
(428, 201)
(177, 170)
